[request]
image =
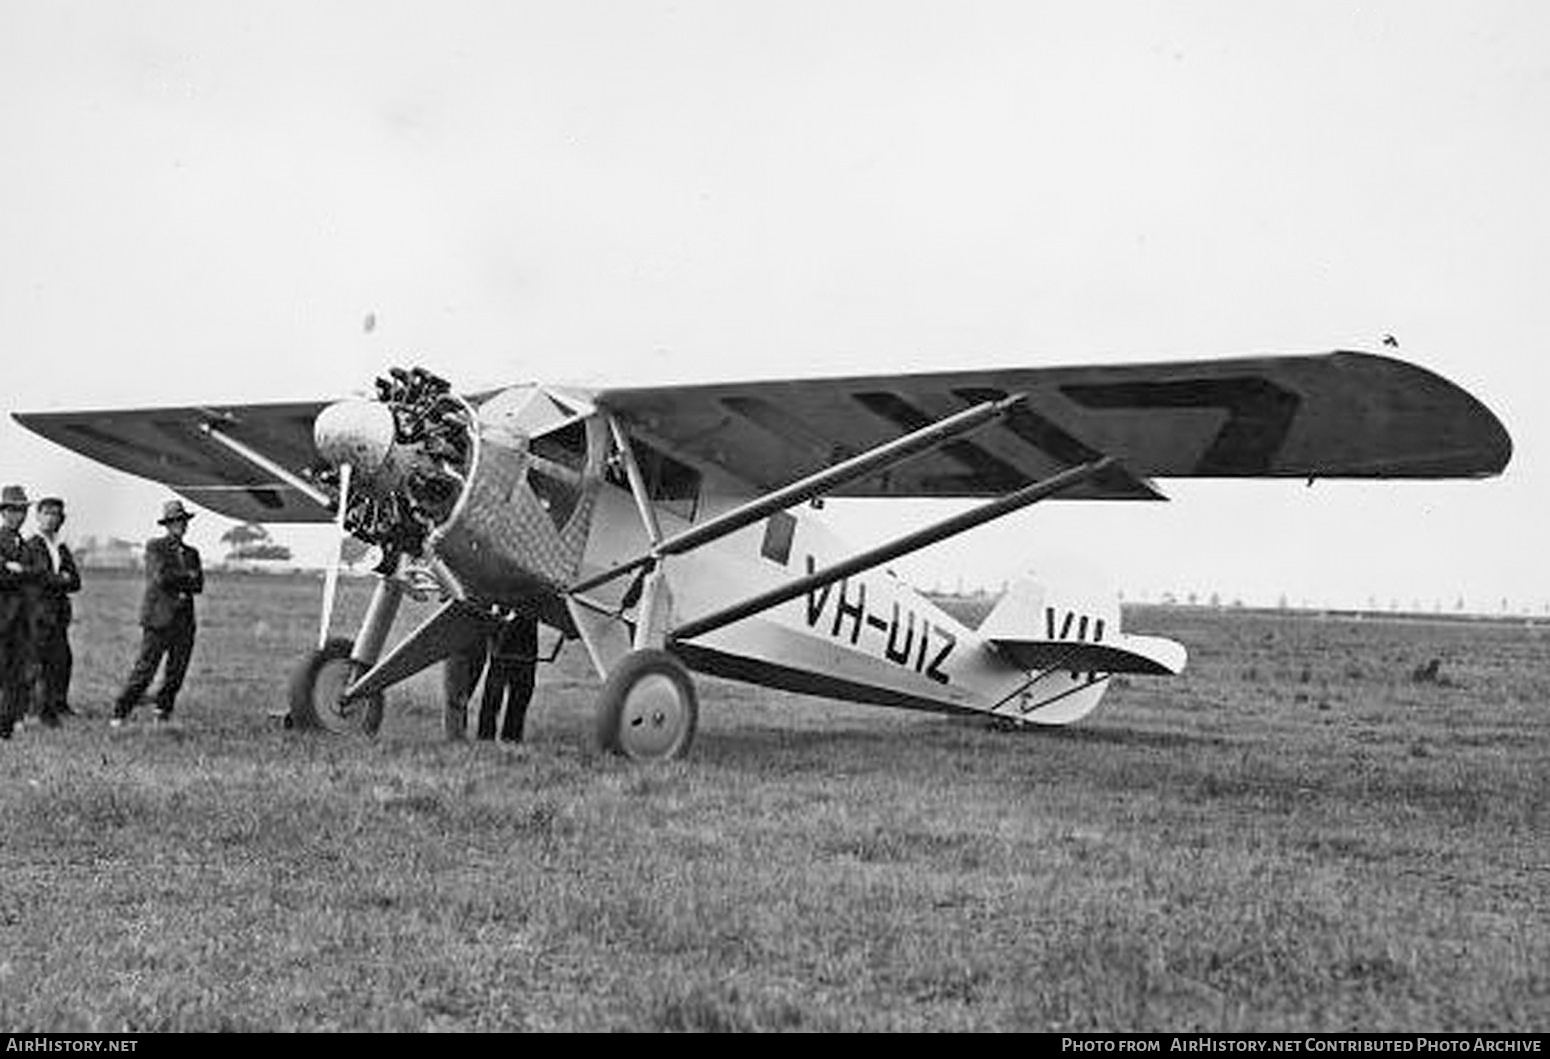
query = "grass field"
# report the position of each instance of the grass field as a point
(1307, 831)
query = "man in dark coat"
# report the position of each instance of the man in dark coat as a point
(173, 577)
(460, 675)
(511, 653)
(513, 658)
(16, 577)
(56, 579)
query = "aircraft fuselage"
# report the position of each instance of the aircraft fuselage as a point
(870, 637)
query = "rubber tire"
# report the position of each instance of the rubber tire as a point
(324, 664)
(647, 689)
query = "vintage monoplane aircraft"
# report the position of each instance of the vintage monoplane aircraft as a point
(669, 528)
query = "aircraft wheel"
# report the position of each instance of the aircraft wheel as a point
(316, 689)
(648, 710)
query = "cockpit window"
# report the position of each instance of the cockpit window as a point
(671, 484)
(557, 458)
(555, 436)
(565, 445)
(558, 496)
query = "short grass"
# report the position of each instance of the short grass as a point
(1301, 833)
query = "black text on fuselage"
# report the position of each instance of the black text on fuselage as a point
(906, 638)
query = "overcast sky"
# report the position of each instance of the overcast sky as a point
(203, 201)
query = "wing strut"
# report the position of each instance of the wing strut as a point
(648, 514)
(331, 574)
(910, 542)
(259, 460)
(805, 489)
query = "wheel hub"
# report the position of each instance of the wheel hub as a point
(655, 718)
(328, 701)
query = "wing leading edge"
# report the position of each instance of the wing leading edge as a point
(1335, 415)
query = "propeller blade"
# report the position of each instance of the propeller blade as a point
(331, 576)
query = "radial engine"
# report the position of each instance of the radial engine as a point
(494, 492)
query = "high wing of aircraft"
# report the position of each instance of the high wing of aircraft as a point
(668, 528)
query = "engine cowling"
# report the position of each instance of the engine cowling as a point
(500, 494)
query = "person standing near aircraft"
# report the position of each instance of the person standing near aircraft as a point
(513, 658)
(173, 577)
(56, 578)
(459, 676)
(16, 576)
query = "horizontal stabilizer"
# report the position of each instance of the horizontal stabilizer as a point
(1151, 655)
(1069, 619)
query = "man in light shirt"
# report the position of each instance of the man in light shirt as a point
(56, 579)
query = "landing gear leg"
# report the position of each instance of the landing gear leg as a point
(648, 709)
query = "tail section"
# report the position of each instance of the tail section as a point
(1064, 627)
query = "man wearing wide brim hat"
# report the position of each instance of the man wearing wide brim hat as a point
(16, 577)
(173, 577)
(174, 511)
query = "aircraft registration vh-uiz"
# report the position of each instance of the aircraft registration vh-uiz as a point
(673, 529)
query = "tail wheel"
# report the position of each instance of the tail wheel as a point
(317, 694)
(648, 710)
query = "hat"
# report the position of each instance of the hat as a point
(13, 496)
(174, 511)
(51, 501)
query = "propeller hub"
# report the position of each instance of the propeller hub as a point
(410, 452)
(360, 433)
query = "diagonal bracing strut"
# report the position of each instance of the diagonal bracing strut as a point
(259, 460)
(893, 549)
(807, 488)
